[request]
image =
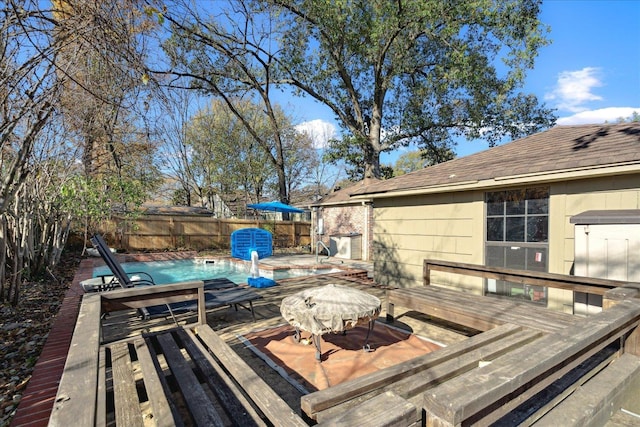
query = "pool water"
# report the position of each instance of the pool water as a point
(189, 269)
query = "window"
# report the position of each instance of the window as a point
(517, 227)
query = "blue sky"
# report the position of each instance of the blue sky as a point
(590, 73)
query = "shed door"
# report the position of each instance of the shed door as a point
(606, 251)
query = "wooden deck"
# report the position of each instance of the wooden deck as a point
(476, 311)
(470, 374)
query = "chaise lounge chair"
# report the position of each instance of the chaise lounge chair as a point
(122, 279)
(219, 292)
(233, 297)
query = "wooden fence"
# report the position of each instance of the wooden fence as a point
(196, 232)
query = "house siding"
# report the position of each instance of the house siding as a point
(408, 230)
(571, 198)
(450, 227)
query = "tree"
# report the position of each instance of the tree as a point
(174, 157)
(224, 157)
(230, 58)
(100, 103)
(29, 92)
(423, 72)
(47, 69)
(301, 160)
(349, 151)
(634, 117)
(416, 160)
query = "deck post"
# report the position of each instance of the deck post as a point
(426, 273)
(613, 297)
(202, 308)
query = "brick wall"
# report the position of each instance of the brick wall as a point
(347, 219)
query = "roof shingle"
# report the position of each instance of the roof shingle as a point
(561, 148)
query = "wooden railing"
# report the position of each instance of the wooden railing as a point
(612, 291)
(535, 278)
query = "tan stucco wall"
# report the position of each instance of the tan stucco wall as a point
(450, 227)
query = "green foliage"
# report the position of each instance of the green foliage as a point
(633, 118)
(269, 226)
(414, 72)
(415, 160)
(348, 150)
(95, 199)
(225, 157)
(180, 197)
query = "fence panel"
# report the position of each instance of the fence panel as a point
(195, 232)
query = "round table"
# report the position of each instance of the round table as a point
(330, 308)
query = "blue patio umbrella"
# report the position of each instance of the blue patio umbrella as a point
(275, 207)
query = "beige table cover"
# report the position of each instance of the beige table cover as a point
(330, 308)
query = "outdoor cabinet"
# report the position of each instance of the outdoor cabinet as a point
(346, 246)
(606, 247)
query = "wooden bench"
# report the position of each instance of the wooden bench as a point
(490, 375)
(485, 395)
(386, 409)
(478, 312)
(410, 379)
(184, 375)
(593, 402)
(485, 312)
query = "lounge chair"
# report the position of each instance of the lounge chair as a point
(219, 292)
(213, 299)
(119, 277)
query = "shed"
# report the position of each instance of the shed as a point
(607, 244)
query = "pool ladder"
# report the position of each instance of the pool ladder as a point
(321, 243)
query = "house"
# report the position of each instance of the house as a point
(516, 205)
(344, 225)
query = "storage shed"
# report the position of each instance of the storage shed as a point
(607, 246)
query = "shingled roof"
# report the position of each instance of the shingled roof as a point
(560, 153)
(342, 196)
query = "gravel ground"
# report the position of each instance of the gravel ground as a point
(24, 330)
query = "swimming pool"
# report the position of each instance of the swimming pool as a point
(197, 269)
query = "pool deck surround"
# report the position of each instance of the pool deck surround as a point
(38, 397)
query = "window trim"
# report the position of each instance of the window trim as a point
(524, 244)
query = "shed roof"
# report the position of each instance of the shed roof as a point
(560, 153)
(619, 216)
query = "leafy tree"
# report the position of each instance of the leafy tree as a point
(225, 52)
(224, 157)
(349, 150)
(416, 160)
(423, 72)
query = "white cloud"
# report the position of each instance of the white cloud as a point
(573, 89)
(611, 115)
(319, 131)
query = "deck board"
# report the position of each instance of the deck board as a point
(477, 311)
(124, 390)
